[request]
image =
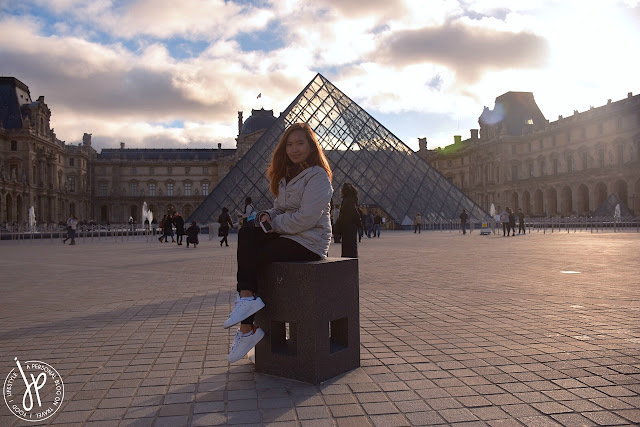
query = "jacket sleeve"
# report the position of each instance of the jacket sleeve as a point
(315, 199)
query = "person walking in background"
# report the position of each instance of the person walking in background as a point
(179, 223)
(417, 224)
(463, 221)
(349, 220)
(299, 227)
(368, 224)
(377, 225)
(167, 229)
(72, 222)
(225, 224)
(521, 222)
(248, 216)
(361, 227)
(154, 224)
(161, 225)
(72, 225)
(504, 219)
(192, 234)
(512, 223)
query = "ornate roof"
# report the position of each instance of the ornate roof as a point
(259, 120)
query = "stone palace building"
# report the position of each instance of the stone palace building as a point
(59, 179)
(566, 167)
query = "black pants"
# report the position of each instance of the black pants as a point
(179, 238)
(224, 240)
(521, 227)
(505, 228)
(463, 225)
(416, 227)
(257, 248)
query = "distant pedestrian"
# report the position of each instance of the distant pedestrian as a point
(72, 225)
(417, 224)
(521, 222)
(154, 224)
(512, 223)
(192, 234)
(179, 223)
(225, 224)
(146, 225)
(349, 220)
(361, 227)
(368, 224)
(167, 229)
(377, 225)
(463, 221)
(504, 219)
(131, 223)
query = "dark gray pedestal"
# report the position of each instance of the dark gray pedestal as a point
(311, 319)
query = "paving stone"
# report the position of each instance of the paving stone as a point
(389, 420)
(172, 421)
(349, 410)
(312, 412)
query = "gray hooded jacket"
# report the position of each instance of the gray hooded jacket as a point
(301, 210)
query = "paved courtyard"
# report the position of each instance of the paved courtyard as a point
(476, 330)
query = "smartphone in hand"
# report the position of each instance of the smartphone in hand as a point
(266, 226)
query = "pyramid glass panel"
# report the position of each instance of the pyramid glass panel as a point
(388, 174)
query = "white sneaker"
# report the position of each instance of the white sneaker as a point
(242, 309)
(243, 343)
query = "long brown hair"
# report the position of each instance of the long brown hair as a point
(278, 167)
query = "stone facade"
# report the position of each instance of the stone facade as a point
(561, 168)
(59, 179)
(166, 179)
(36, 168)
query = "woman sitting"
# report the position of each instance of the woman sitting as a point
(299, 227)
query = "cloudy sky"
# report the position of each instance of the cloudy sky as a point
(167, 73)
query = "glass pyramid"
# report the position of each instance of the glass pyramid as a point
(388, 174)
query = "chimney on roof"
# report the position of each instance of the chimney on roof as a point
(86, 139)
(629, 94)
(608, 101)
(122, 145)
(219, 147)
(457, 139)
(474, 133)
(422, 144)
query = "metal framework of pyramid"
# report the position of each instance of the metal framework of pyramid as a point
(387, 173)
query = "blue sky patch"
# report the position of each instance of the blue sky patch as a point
(270, 39)
(180, 48)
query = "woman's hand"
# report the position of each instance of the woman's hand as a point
(265, 217)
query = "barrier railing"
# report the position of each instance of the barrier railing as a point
(90, 233)
(544, 225)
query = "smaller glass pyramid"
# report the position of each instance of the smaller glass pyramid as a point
(388, 174)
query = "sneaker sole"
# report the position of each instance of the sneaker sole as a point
(227, 326)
